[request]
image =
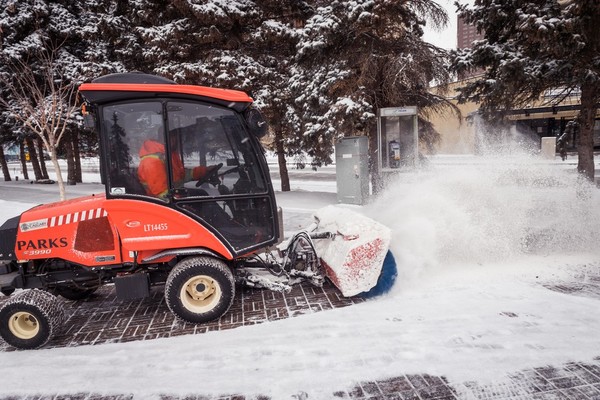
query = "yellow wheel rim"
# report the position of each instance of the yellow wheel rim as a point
(200, 294)
(23, 325)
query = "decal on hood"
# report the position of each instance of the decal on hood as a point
(62, 219)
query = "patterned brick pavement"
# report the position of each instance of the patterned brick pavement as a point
(104, 319)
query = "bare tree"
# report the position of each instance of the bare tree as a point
(42, 100)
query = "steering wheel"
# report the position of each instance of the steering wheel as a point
(211, 177)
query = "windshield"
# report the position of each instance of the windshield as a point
(197, 136)
(195, 156)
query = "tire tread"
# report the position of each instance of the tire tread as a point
(184, 267)
(49, 306)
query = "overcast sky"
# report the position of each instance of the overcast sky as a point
(447, 38)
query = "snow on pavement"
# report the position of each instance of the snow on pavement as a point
(474, 246)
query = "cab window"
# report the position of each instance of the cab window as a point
(204, 137)
(134, 147)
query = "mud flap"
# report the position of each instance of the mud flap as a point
(354, 255)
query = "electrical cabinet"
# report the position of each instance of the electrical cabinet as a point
(352, 170)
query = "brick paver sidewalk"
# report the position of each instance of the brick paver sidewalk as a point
(103, 319)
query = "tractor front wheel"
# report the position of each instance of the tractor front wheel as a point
(200, 289)
(30, 319)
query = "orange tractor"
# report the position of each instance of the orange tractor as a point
(188, 204)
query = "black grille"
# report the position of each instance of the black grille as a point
(8, 238)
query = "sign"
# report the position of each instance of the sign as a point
(397, 111)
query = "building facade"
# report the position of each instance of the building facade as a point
(543, 118)
(466, 34)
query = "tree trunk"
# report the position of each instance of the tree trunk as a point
(376, 180)
(59, 179)
(33, 157)
(77, 157)
(40, 146)
(68, 145)
(589, 93)
(585, 142)
(4, 166)
(23, 160)
(283, 171)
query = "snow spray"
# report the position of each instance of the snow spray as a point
(485, 210)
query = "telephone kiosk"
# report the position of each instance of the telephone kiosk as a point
(397, 138)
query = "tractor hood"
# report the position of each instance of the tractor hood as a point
(62, 212)
(45, 216)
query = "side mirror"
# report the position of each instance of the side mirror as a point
(256, 122)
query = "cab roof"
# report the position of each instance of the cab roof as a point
(118, 87)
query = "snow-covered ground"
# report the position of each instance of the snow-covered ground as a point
(475, 243)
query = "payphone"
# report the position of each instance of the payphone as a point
(397, 138)
(394, 156)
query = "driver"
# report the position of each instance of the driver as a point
(152, 171)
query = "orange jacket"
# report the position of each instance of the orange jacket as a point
(152, 171)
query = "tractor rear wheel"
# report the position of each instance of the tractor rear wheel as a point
(200, 289)
(30, 319)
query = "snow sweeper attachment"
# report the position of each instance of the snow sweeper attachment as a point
(351, 250)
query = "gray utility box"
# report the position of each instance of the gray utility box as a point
(352, 170)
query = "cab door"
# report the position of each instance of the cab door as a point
(216, 175)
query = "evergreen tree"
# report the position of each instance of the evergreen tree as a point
(243, 45)
(531, 47)
(318, 69)
(355, 57)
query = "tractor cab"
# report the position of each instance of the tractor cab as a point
(189, 148)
